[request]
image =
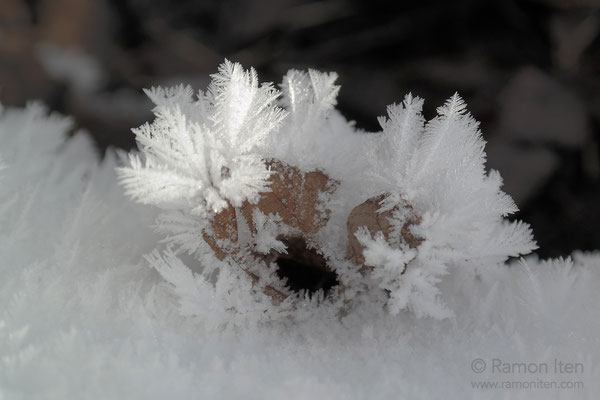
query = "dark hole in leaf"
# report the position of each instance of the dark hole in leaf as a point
(304, 268)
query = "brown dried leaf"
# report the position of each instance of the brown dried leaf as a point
(224, 226)
(367, 214)
(294, 196)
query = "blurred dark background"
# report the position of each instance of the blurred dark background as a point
(529, 71)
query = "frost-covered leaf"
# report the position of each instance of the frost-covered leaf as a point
(220, 164)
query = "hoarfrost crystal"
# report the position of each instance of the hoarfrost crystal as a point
(210, 153)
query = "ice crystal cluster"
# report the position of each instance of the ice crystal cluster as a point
(105, 298)
(205, 153)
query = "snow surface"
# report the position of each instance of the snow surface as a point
(93, 306)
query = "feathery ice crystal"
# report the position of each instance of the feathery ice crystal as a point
(413, 203)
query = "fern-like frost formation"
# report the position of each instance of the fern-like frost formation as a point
(205, 152)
